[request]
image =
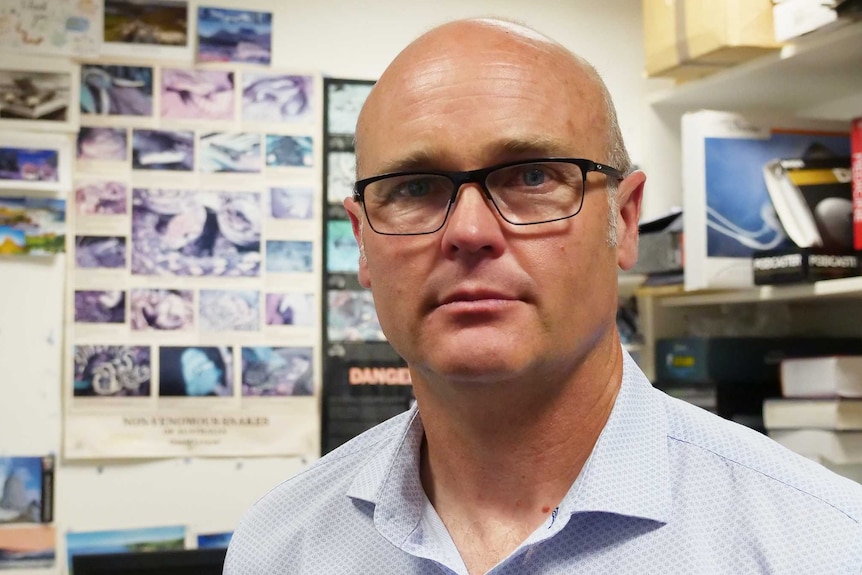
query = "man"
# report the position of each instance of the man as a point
(537, 446)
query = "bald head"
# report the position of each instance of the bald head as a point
(473, 93)
(422, 64)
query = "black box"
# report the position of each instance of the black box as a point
(803, 265)
(712, 360)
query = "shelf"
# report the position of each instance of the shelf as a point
(840, 288)
(817, 75)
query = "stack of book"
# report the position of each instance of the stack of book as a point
(820, 412)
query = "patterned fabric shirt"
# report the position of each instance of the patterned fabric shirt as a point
(668, 488)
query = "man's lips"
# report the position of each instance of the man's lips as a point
(476, 297)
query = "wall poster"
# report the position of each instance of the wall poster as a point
(56, 28)
(194, 269)
(366, 382)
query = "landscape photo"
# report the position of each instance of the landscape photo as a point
(27, 547)
(21, 489)
(154, 22)
(29, 165)
(32, 225)
(234, 36)
(124, 540)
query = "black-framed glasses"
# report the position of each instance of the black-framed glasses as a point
(524, 193)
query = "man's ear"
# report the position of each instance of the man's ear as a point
(354, 212)
(629, 196)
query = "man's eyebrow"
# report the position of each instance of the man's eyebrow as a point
(501, 151)
(415, 160)
(538, 146)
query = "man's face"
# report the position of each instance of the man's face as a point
(482, 300)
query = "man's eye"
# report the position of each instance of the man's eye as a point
(417, 188)
(412, 189)
(533, 177)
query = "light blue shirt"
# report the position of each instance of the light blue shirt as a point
(669, 488)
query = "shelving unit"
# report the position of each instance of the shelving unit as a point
(807, 77)
(826, 308)
(814, 76)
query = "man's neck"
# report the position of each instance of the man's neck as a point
(496, 465)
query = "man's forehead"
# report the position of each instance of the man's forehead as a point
(480, 60)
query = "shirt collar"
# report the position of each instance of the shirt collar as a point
(626, 474)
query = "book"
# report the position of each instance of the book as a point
(836, 447)
(728, 212)
(825, 377)
(837, 414)
(856, 179)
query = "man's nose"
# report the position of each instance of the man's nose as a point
(474, 224)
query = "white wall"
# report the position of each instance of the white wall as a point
(354, 39)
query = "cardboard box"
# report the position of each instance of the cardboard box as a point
(686, 39)
(794, 18)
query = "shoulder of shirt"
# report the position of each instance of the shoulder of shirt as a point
(263, 528)
(746, 449)
(350, 455)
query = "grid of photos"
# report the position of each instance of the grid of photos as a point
(194, 281)
(366, 382)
